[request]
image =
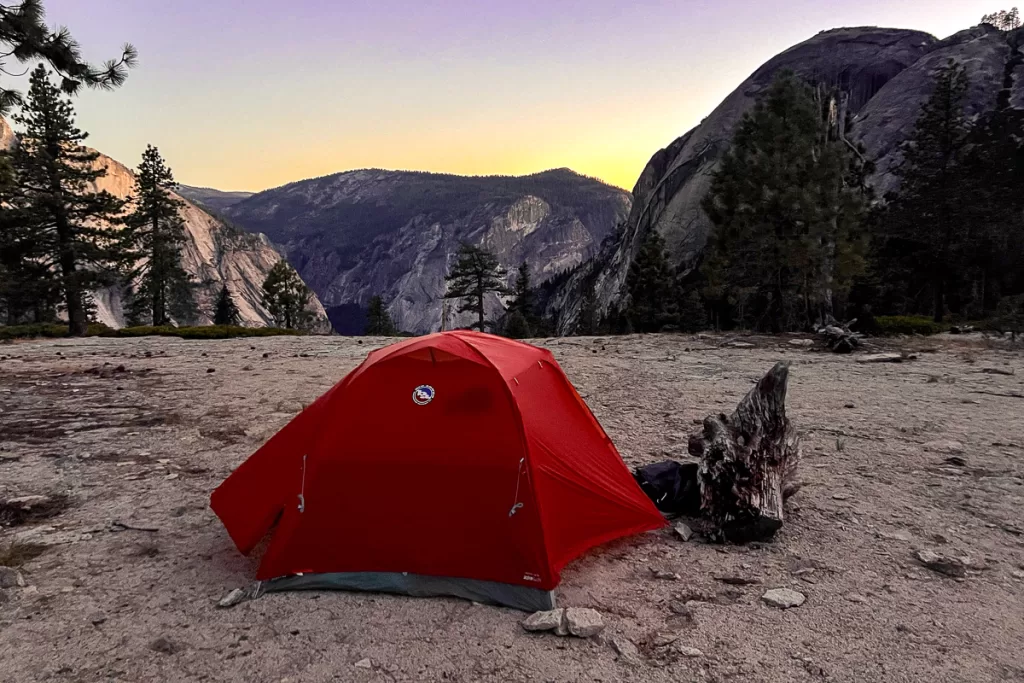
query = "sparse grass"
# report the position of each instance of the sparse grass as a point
(889, 325)
(9, 332)
(16, 554)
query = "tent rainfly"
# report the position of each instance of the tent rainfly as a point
(458, 463)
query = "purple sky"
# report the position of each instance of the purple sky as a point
(249, 94)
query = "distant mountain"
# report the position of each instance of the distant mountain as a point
(215, 200)
(362, 233)
(884, 74)
(214, 253)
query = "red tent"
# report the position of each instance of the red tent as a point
(456, 463)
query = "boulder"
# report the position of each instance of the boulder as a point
(583, 622)
(547, 620)
(783, 598)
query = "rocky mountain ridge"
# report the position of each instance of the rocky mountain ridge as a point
(885, 75)
(370, 232)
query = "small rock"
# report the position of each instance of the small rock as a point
(854, 597)
(364, 664)
(900, 535)
(627, 652)
(665, 639)
(97, 618)
(783, 598)
(683, 531)
(1018, 574)
(741, 345)
(801, 342)
(231, 599)
(164, 646)
(944, 446)
(689, 651)
(850, 405)
(664, 574)
(943, 564)
(840, 496)
(737, 580)
(209, 370)
(583, 622)
(246, 368)
(546, 620)
(11, 578)
(956, 460)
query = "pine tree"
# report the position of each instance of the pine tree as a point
(651, 287)
(476, 272)
(1003, 20)
(785, 212)
(693, 316)
(588, 321)
(154, 235)
(378, 320)
(286, 296)
(64, 224)
(225, 311)
(926, 227)
(522, 320)
(25, 35)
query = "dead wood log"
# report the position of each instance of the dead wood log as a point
(748, 462)
(838, 336)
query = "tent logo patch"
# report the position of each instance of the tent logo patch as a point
(423, 394)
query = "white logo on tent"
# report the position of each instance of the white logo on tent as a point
(423, 394)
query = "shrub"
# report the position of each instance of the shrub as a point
(907, 324)
(49, 330)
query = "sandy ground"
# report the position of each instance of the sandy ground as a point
(144, 444)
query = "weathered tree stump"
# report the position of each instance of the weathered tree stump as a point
(748, 462)
(838, 336)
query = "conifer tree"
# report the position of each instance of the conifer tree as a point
(522, 321)
(785, 239)
(24, 34)
(378, 320)
(286, 296)
(926, 226)
(476, 272)
(154, 235)
(651, 287)
(63, 223)
(225, 312)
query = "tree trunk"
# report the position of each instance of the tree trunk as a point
(480, 304)
(939, 301)
(748, 462)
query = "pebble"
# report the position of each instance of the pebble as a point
(626, 651)
(11, 578)
(783, 598)
(900, 535)
(801, 342)
(944, 446)
(664, 574)
(741, 345)
(854, 597)
(943, 564)
(683, 531)
(97, 618)
(364, 664)
(209, 370)
(689, 651)
(840, 496)
(1018, 574)
(583, 622)
(231, 599)
(546, 620)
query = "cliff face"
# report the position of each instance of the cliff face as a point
(668, 194)
(214, 253)
(363, 233)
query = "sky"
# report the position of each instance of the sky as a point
(253, 94)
